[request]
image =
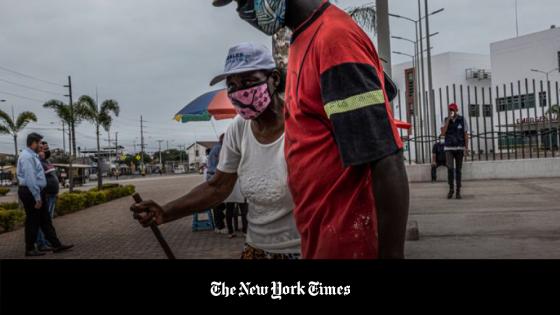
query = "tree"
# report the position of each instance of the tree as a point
(365, 15)
(100, 116)
(10, 127)
(72, 119)
(65, 115)
(554, 110)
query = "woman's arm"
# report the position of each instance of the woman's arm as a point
(202, 197)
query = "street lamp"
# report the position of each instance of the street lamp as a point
(420, 49)
(403, 54)
(546, 73)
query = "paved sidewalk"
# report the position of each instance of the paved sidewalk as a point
(108, 231)
(496, 219)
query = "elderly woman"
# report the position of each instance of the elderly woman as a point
(253, 152)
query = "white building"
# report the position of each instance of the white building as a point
(476, 82)
(196, 153)
(527, 62)
(450, 71)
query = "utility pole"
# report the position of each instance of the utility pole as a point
(63, 138)
(72, 137)
(160, 160)
(142, 145)
(117, 155)
(422, 80)
(431, 95)
(384, 34)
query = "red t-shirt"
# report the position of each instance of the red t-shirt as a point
(338, 122)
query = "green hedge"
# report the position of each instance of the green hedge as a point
(76, 201)
(4, 191)
(10, 218)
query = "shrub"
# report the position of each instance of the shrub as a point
(4, 191)
(72, 202)
(9, 219)
(9, 206)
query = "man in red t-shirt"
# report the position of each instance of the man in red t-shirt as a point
(344, 155)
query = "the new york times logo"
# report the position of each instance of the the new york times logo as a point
(277, 290)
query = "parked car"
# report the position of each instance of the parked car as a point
(179, 169)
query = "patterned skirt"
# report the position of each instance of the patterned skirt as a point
(250, 253)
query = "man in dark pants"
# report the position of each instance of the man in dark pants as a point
(218, 211)
(31, 178)
(438, 157)
(456, 135)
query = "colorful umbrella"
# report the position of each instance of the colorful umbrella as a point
(217, 104)
(212, 104)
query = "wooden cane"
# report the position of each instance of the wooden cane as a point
(157, 232)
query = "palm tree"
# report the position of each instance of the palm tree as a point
(71, 118)
(365, 15)
(100, 116)
(10, 127)
(65, 115)
(554, 110)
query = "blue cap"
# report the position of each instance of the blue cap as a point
(246, 57)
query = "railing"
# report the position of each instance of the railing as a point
(509, 121)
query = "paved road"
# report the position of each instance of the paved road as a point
(497, 219)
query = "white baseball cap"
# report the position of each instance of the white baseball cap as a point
(246, 57)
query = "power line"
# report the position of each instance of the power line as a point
(23, 97)
(30, 77)
(30, 87)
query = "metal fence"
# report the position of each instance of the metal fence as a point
(519, 120)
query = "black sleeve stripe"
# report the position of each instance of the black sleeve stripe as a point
(347, 80)
(364, 135)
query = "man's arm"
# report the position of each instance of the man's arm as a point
(204, 196)
(29, 168)
(445, 126)
(391, 191)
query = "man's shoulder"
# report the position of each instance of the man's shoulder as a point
(338, 25)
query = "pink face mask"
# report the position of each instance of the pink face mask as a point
(252, 102)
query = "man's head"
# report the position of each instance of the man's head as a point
(453, 109)
(269, 16)
(45, 150)
(34, 141)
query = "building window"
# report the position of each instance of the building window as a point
(542, 99)
(474, 110)
(487, 110)
(197, 153)
(517, 102)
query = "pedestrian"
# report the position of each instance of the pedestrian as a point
(217, 210)
(32, 181)
(51, 193)
(253, 153)
(438, 157)
(343, 151)
(456, 132)
(243, 210)
(232, 205)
